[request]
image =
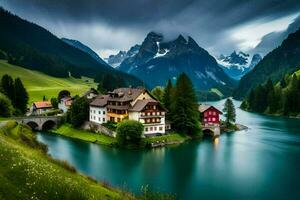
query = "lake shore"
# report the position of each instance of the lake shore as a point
(67, 130)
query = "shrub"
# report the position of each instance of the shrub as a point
(129, 132)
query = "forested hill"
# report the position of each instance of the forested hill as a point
(31, 46)
(281, 61)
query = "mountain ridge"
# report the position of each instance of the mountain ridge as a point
(167, 59)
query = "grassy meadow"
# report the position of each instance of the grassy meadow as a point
(26, 172)
(39, 84)
(68, 131)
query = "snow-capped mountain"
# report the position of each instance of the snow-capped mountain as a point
(158, 60)
(116, 60)
(238, 64)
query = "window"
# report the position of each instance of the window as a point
(94, 111)
(157, 120)
(160, 128)
(155, 128)
(94, 118)
(214, 113)
(103, 112)
(213, 119)
(153, 113)
(99, 119)
(157, 113)
(154, 107)
(99, 112)
(146, 129)
(205, 114)
(153, 120)
(209, 112)
(103, 119)
(151, 128)
(209, 119)
(205, 120)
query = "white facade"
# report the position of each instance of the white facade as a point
(98, 114)
(152, 127)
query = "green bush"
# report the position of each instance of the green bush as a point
(129, 132)
(6, 108)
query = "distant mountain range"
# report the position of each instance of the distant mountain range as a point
(116, 60)
(33, 47)
(238, 64)
(84, 48)
(275, 65)
(158, 60)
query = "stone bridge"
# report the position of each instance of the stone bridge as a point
(212, 130)
(39, 123)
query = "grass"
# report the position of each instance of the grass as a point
(68, 131)
(170, 138)
(28, 173)
(39, 84)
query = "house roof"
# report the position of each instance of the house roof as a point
(100, 101)
(203, 107)
(126, 94)
(43, 104)
(91, 91)
(140, 104)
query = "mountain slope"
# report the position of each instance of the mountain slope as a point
(159, 60)
(39, 84)
(282, 60)
(238, 64)
(116, 60)
(84, 48)
(33, 47)
(274, 39)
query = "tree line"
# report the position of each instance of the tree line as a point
(13, 96)
(282, 98)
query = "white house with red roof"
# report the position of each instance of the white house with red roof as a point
(40, 107)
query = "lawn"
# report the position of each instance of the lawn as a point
(172, 138)
(39, 84)
(68, 131)
(28, 173)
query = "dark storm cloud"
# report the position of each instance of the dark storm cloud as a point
(205, 20)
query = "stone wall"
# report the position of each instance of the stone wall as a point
(98, 128)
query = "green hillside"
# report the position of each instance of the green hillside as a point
(39, 84)
(28, 173)
(275, 65)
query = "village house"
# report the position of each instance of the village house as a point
(65, 103)
(40, 107)
(210, 115)
(91, 94)
(130, 103)
(210, 119)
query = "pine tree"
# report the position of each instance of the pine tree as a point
(7, 84)
(251, 99)
(167, 96)
(184, 109)
(291, 102)
(21, 96)
(229, 112)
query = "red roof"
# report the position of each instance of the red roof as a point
(43, 104)
(203, 107)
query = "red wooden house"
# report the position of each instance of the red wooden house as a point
(210, 115)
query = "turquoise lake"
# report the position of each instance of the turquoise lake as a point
(260, 163)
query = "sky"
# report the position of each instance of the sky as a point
(108, 26)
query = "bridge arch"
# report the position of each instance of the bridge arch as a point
(33, 125)
(208, 131)
(49, 124)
